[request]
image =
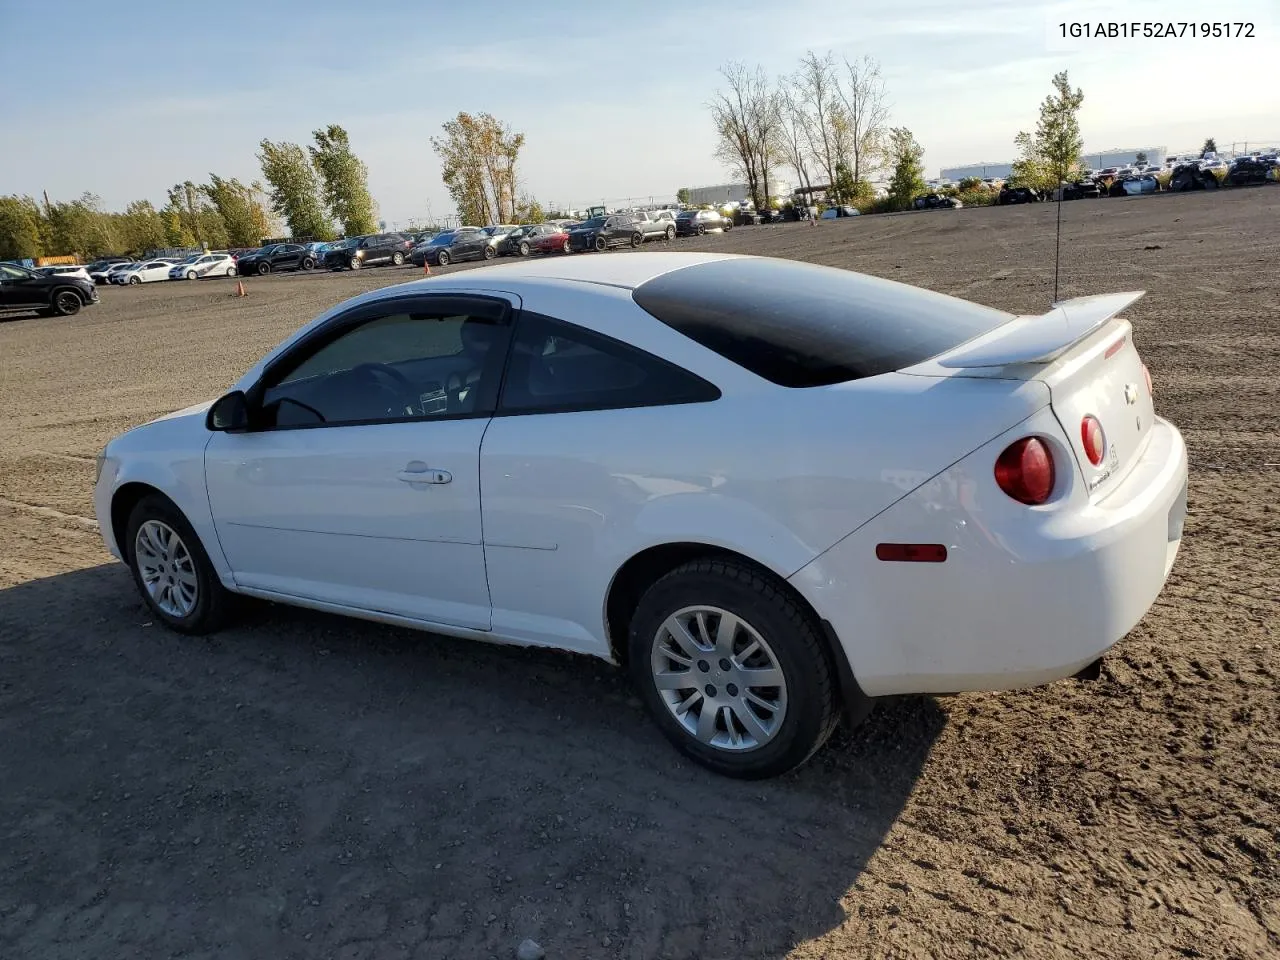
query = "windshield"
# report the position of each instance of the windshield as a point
(595, 223)
(345, 244)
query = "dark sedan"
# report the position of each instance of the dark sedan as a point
(601, 233)
(691, 223)
(277, 256)
(23, 290)
(465, 243)
(357, 252)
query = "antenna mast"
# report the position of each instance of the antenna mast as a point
(1057, 245)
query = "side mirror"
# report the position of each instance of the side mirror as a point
(229, 413)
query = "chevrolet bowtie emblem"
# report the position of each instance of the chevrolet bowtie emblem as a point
(1131, 393)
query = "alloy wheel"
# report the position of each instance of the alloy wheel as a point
(719, 678)
(167, 570)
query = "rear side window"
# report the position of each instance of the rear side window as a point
(802, 325)
(560, 367)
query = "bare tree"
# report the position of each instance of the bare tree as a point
(793, 146)
(765, 119)
(865, 113)
(740, 113)
(817, 86)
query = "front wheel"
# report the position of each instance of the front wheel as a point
(489, 252)
(191, 275)
(523, 249)
(636, 240)
(264, 269)
(231, 271)
(733, 669)
(67, 303)
(601, 244)
(442, 258)
(171, 569)
(671, 233)
(397, 258)
(135, 279)
(307, 263)
(354, 263)
(566, 247)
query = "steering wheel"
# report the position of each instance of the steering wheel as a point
(391, 382)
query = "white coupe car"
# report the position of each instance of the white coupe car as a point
(147, 271)
(771, 489)
(204, 265)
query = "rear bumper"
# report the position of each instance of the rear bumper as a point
(1025, 596)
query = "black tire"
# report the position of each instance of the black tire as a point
(728, 225)
(636, 240)
(788, 628)
(264, 268)
(397, 258)
(1209, 181)
(231, 271)
(566, 247)
(214, 603)
(66, 303)
(702, 229)
(489, 252)
(442, 258)
(600, 243)
(307, 264)
(671, 233)
(523, 249)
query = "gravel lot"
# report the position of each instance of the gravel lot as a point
(306, 786)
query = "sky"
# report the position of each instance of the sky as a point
(612, 97)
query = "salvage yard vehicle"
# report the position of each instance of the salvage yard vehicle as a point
(655, 226)
(1010, 195)
(690, 223)
(604, 233)
(277, 256)
(106, 272)
(933, 496)
(368, 251)
(148, 271)
(464, 243)
(554, 240)
(529, 239)
(1255, 168)
(48, 294)
(206, 265)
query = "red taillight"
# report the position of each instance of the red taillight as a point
(1091, 436)
(1025, 471)
(1147, 374)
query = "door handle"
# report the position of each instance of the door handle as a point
(418, 472)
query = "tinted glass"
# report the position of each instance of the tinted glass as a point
(404, 365)
(9, 272)
(802, 325)
(559, 366)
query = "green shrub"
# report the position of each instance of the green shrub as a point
(977, 198)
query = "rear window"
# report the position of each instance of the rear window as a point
(802, 325)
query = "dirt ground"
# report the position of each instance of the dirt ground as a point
(305, 786)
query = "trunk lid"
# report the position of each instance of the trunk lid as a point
(1085, 354)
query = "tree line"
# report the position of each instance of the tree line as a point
(314, 193)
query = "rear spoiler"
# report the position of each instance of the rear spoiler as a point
(1038, 338)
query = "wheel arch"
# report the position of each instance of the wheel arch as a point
(645, 568)
(68, 288)
(126, 497)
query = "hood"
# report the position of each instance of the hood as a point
(195, 408)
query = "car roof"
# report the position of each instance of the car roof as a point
(628, 271)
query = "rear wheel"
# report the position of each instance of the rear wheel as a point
(67, 303)
(231, 271)
(397, 258)
(671, 233)
(354, 263)
(307, 263)
(489, 252)
(264, 268)
(171, 569)
(733, 669)
(135, 279)
(636, 240)
(442, 258)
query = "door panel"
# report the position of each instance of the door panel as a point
(324, 514)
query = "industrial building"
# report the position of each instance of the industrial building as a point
(733, 193)
(1115, 157)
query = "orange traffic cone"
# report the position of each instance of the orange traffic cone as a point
(240, 289)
